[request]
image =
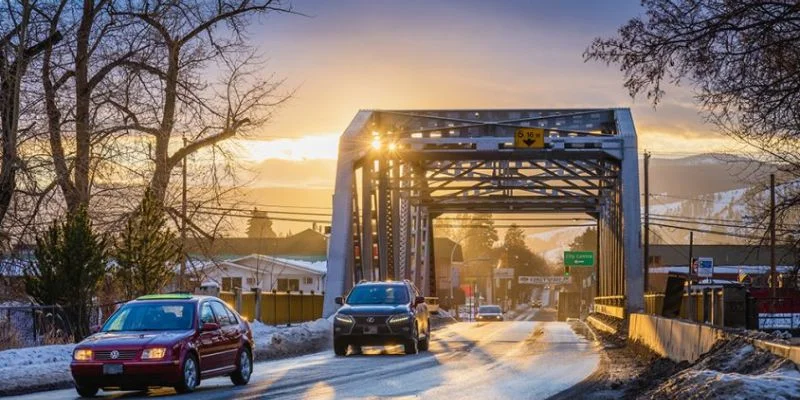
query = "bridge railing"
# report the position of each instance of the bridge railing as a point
(719, 306)
(612, 306)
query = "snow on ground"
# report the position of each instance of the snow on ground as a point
(273, 342)
(733, 370)
(781, 384)
(47, 367)
(35, 368)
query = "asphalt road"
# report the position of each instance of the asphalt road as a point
(525, 359)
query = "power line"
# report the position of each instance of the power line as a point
(713, 232)
(266, 211)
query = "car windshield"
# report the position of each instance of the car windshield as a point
(152, 316)
(378, 294)
(489, 310)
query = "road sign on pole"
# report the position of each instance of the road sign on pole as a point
(579, 258)
(504, 273)
(544, 280)
(705, 267)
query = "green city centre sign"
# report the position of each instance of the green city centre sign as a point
(579, 258)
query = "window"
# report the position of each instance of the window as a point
(251, 281)
(288, 284)
(206, 316)
(221, 313)
(229, 283)
(152, 316)
(232, 316)
(378, 294)
(308, 280)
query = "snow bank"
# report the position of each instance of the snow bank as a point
(275, 342)
(733, 370)
(35, 368)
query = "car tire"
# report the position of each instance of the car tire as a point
(86, 390)
(424, 344)
(411, 345)
(244, 368)
(340, 347)
(190, 375)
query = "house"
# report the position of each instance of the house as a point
(731, 262)
(267, 273)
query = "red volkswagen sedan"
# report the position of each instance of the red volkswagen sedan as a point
(165, 340)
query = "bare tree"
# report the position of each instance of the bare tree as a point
(742, 58)
(79, 85)
(187, 39)
(21, 40)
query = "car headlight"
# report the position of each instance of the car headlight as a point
(400, 319)
(344, 319)
(155, 353)
(82, 355)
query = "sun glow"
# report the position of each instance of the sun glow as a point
(311, 147)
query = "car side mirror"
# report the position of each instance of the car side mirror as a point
(339, 300)
(209, 326)
(419, 300)
(95, 328)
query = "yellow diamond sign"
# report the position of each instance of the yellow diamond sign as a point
(529, 138)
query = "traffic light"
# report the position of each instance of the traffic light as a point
(566, 270)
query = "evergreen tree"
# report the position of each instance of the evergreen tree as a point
(146, 250)
(586, 241)
(70, 263)
(259, 225)
(480, 235)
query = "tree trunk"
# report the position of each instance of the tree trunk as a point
(83, 128)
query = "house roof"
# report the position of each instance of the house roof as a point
(314, 268)
(308, 244)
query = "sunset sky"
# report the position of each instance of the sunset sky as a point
(359, 54)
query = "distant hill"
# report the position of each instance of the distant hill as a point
(703, 174)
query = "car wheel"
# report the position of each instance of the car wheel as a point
(244, 368)
(340, 347)
(190, 374)
(86, 390)
(411, 346)
(424, 344)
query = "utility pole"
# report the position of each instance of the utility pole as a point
(183, 221)
(646, 220)
(691, 253)
(773, 273)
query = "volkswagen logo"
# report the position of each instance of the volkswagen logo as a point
(370, 319)
(114, 354)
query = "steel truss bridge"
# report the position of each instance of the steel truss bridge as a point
(399, 169)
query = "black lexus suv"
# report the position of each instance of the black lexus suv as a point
(379, 314)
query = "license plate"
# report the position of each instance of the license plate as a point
(112, 369)
(370, 330)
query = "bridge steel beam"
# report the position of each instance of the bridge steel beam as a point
(340, 246)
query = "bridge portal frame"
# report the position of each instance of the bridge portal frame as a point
(399, 169)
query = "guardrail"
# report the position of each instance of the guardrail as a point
(716, 305)
(612, 306)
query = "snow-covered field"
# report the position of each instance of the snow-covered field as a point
(44, 367)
